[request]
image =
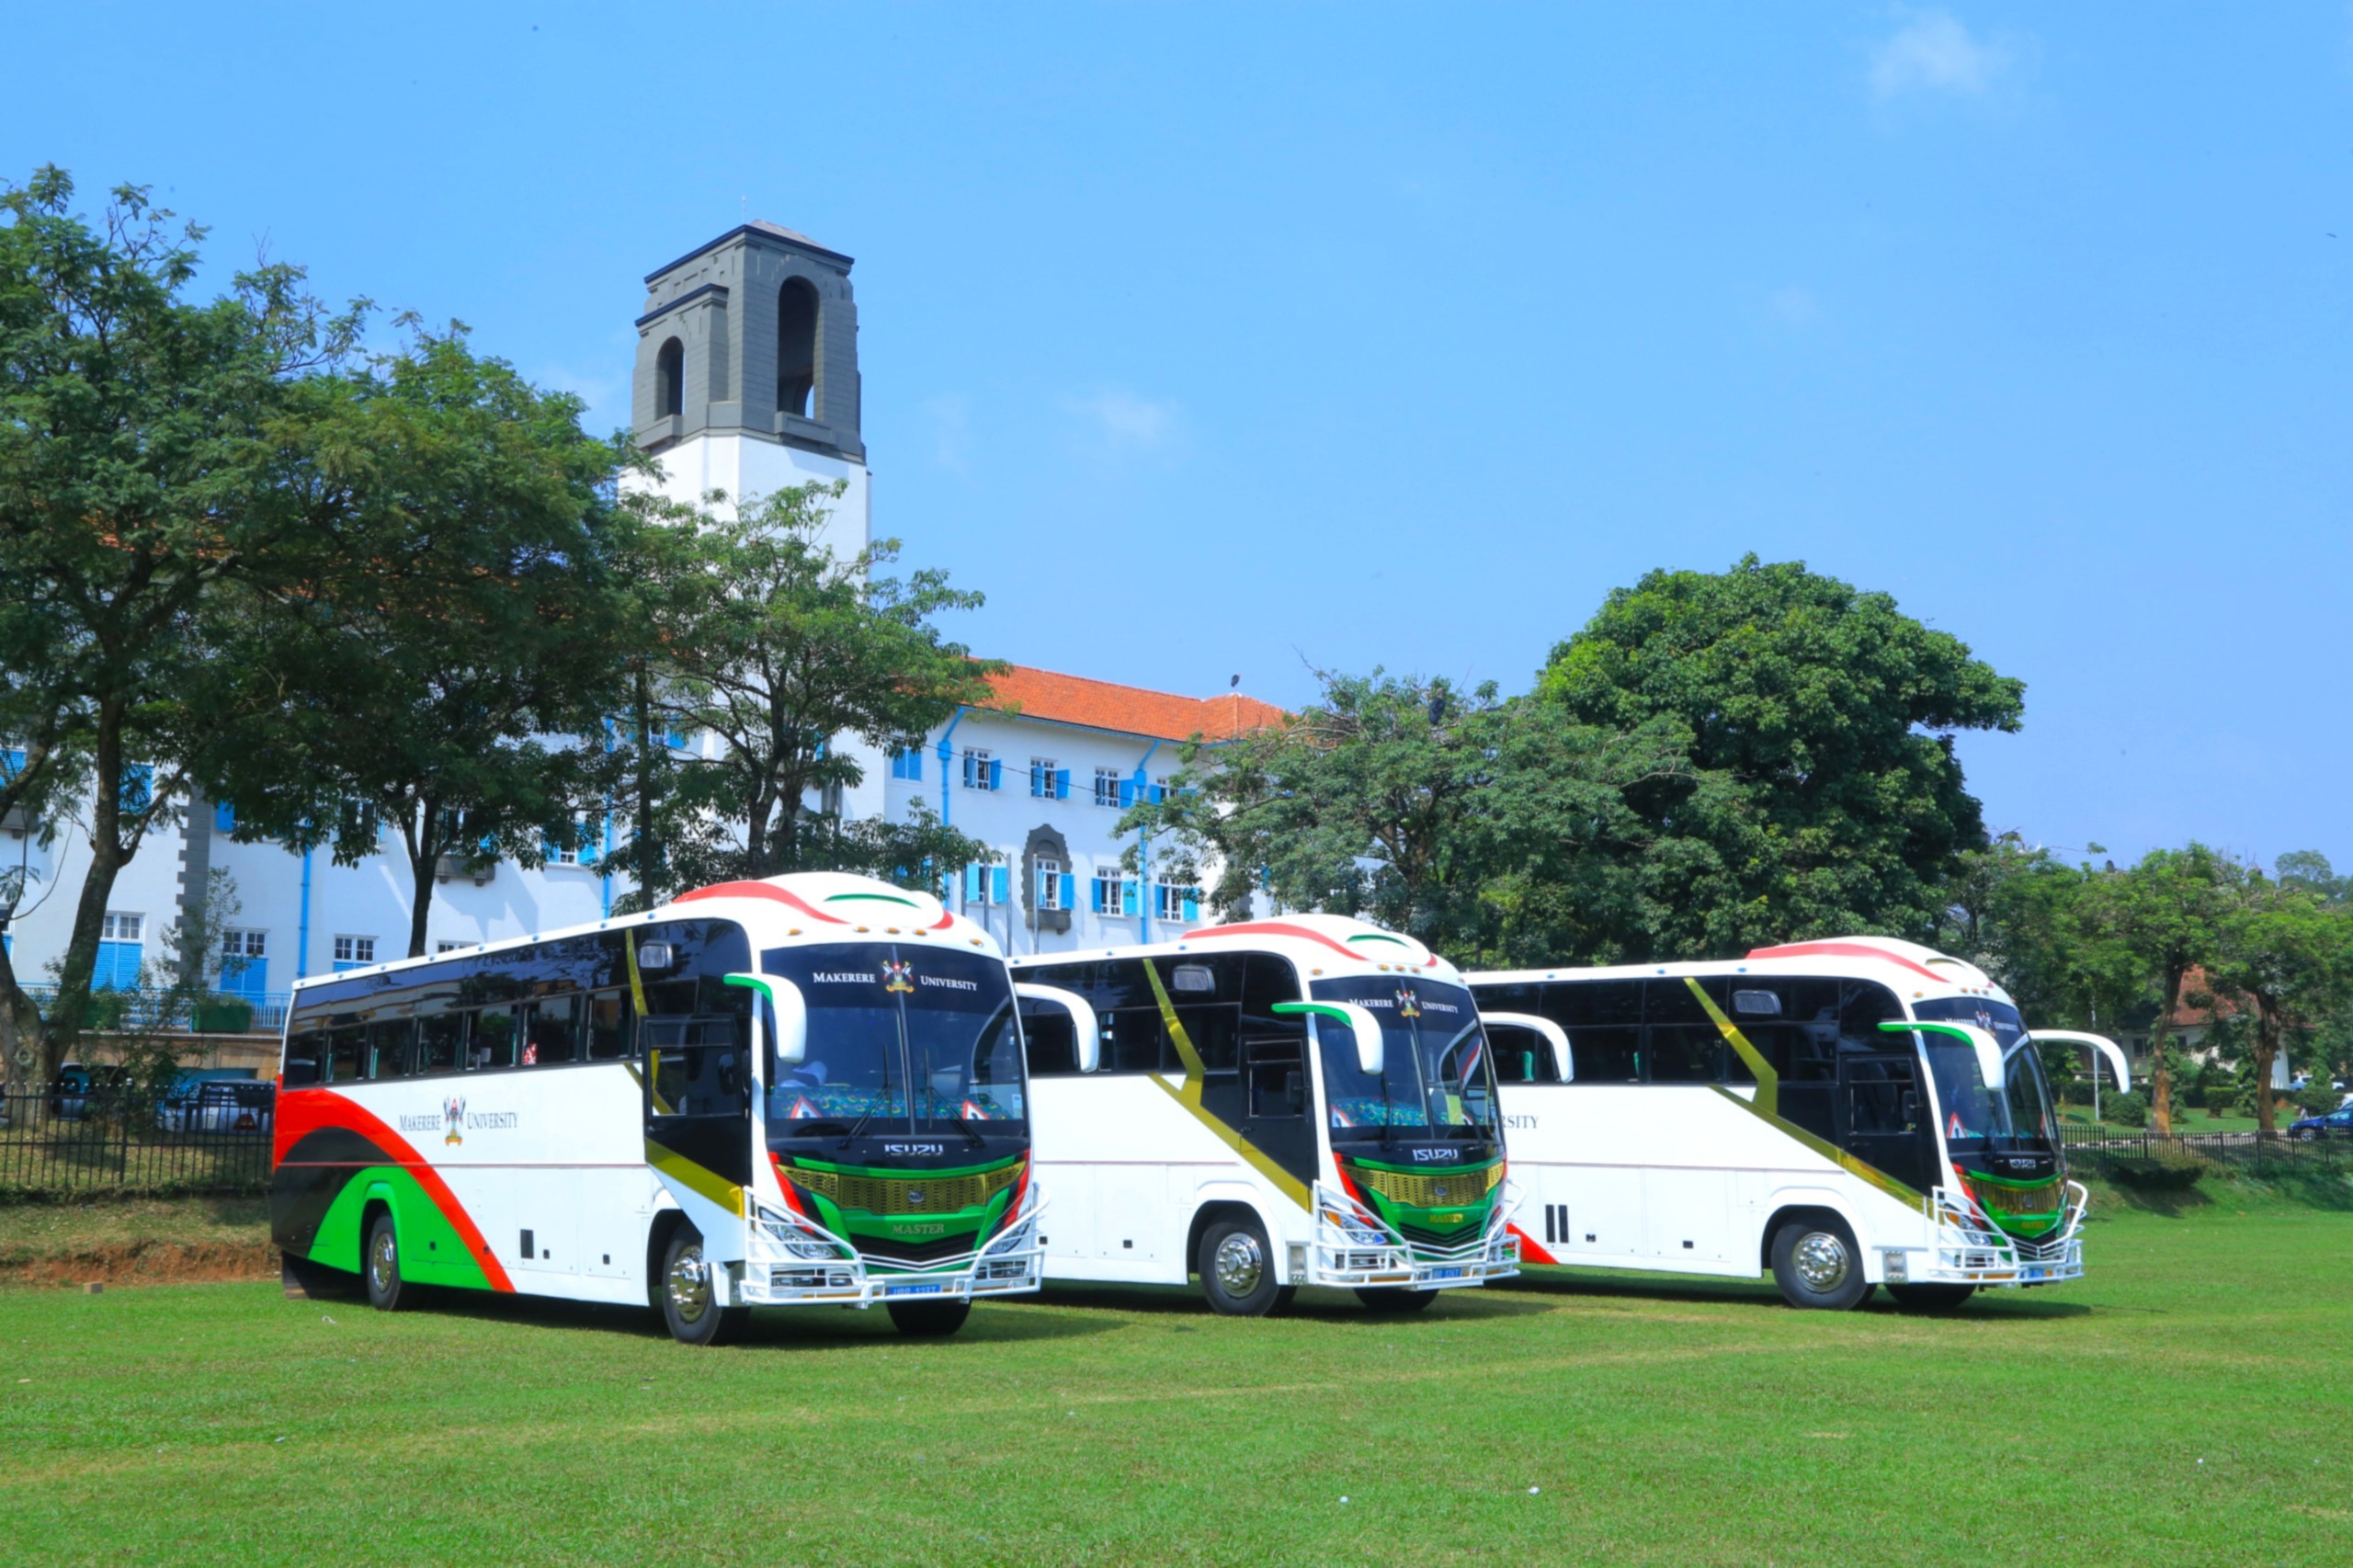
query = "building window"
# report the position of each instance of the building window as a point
(244, 962)
(1113, 893)
(907, 765)
(119, 952)
(1107, 787)
(1050, 882)
(795, 347)
(224, 817)
(445, 946)
(1048, 782)
(986, 885)
(670, 379)
(354, 952)
(981, 771)
(1176, 904)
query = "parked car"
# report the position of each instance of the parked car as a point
(70, 1092)
(2337, 1123)
(230, 1105)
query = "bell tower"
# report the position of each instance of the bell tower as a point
(747, 373)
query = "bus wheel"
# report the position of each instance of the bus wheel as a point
(687, 1309)
(382, 1268)
(1238, 1269)
(1817, 1265)
(1930, 1297)
(929, 1319)
(1391, 1298)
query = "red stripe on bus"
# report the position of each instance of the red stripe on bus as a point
(1528, 1249)
(311, 1110)
(1269, 928)
(1843, 951)
(760, 889)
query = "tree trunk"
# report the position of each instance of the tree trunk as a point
(644, 846)
(2267, 1052)
(62, 1030)
(423, 843)
(2160, 1077)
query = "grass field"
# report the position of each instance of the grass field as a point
(2183, 1405)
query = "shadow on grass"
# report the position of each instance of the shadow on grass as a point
(772, 1328)
(1764, 1294)
(1186, 1302)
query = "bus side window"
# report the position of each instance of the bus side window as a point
(491, 1041)
(1276, 1068)
(1681, 1042)
(304, 1053)
(1862, 1006)
(608, 1025)
(1521, 1055)
(439, 1039)
(1205, 991)
(1603, 1018)
(388, 1041)
(551, 1030)
(347, 1048)
(1053, 1044)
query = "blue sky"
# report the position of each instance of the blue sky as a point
(1216, 340)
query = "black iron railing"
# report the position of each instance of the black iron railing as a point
(80, 1142)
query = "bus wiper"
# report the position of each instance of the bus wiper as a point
(964, 1125)
(854, 1129)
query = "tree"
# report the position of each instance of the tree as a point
(767, 641)
(2167, 913)
(426, 675)
(1820, 791)
(144, 462)
(2285, 949)
(1494, 830)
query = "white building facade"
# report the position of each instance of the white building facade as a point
(746, 382)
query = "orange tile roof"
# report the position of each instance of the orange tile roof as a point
(1129, 710)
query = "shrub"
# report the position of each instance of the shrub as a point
(2157, 1173)
(2317, 1100)
(2125, 1110)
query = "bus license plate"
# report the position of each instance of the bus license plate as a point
(1446, 1274)
(916, 1290)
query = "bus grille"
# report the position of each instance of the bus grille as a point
(1430, 1189)
(895, 1195)
(2038, 1202)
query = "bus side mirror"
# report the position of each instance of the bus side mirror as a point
(1086, 1039)
(2098, 1042)
(1360, 1022)
(1554, 1036)
(792, 1010)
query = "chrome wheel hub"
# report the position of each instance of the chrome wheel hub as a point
(383, 1263)
(1820, 1261)
(1240, 1264)
(689, 1286)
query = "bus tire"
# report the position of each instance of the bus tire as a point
(1817, 1264)
(1237, 1268)
(380, 1267)
(688, 1311)
(1930, 1297)
(1394, 1298)
(928, 1320)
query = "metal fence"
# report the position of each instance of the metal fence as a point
(142, 1010)
(54, 1142)
(2222, 1148)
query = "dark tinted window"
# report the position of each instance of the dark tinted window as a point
(1682, 1043)
(305, 1054)
(1522, 1056)
(387, 1047)
(1604, 1020)
(347, 1051)
(491, 1042)
(552, 1030)
(441, 1039)
(609, 1033)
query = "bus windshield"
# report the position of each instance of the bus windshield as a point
(2017, 1118)
(901, 1039)
(1435, 1073)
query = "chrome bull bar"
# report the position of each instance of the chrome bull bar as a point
(1970, 1249)
(1354, 1250)
(790, 1260)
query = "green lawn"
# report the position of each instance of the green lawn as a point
(2184, 1404)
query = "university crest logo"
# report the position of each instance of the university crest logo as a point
(898, 975)
(453, 1117)
(1407, 1005)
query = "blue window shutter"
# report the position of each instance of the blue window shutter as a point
(1159, 793)
(1127, 793)
(224, 817)
(11, 762)
(1000, 884)
(1070, 890)
(1040, 892)
(1062, 784)
(997, 773)
(1094, 899)
(1036, 780)
(1128, 897)
(972, 881)
(1192, 904)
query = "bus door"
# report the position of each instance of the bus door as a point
(1275, 1096)
(699, 1092)
(1881, 1107)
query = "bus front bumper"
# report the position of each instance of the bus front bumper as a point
(1967, 1248)
(1354, 1250)
(793, 1261)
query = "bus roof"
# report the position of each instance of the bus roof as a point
(1321, 945)
(1905, 968)
(808, 906)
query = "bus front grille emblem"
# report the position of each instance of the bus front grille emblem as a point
(915, 1198)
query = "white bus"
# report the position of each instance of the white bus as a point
(806, 1089)
(1843, 1114)
(1299, 1101)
